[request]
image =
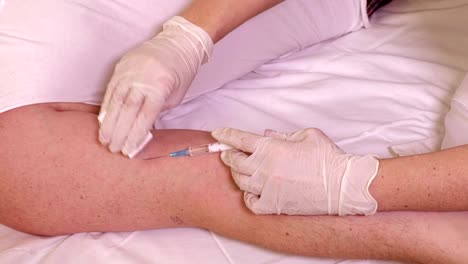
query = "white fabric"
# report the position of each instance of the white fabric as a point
(456, 121)
(403, 70)
(389, 85)
(65, 50)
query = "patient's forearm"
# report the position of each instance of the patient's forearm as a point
(429, 182)
(219, 17)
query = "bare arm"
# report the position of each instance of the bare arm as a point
(430, 182)
(55, 178)
(219, 17)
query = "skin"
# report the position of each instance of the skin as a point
(82, 188)
(219, 17)
(430, 182)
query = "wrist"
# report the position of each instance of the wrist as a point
(198, 37)
(181, 48)
(355, 198)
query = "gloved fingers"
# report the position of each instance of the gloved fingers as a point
(239, 139)
(238, 161)
(275, 134)
(317, 137)
(113, 109)
(247, 183)
(294, 136)
(128, 114)
(107, 97)
(310, 134)
(139, 147)
(256, 205)
(140, 135)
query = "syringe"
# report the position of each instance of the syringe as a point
(201, 150)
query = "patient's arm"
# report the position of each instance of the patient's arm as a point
(430, 182)
(55, 178)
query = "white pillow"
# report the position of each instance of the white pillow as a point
(456, 120)
(65, 51)
(284, 29)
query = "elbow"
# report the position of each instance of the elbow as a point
(26, 222)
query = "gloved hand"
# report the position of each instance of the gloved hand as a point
(302, 173)
(152, 78)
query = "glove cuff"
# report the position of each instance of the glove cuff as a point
(355, 198)
(197, 32)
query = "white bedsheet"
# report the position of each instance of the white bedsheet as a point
(385, 87)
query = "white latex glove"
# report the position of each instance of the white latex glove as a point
(302, 173)
(152, 78)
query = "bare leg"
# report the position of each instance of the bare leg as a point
(55, 178)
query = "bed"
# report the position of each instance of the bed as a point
(390, 86)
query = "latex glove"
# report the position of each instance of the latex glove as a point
(302, 173)
(152, 78)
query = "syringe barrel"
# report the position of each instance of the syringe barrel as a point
(198, 150)
(218, 147)
(208, 148)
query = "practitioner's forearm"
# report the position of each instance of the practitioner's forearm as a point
(326, 236)
(430, 182)
(219, 17)
(413, 237)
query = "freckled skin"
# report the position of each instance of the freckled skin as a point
(177, 220)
